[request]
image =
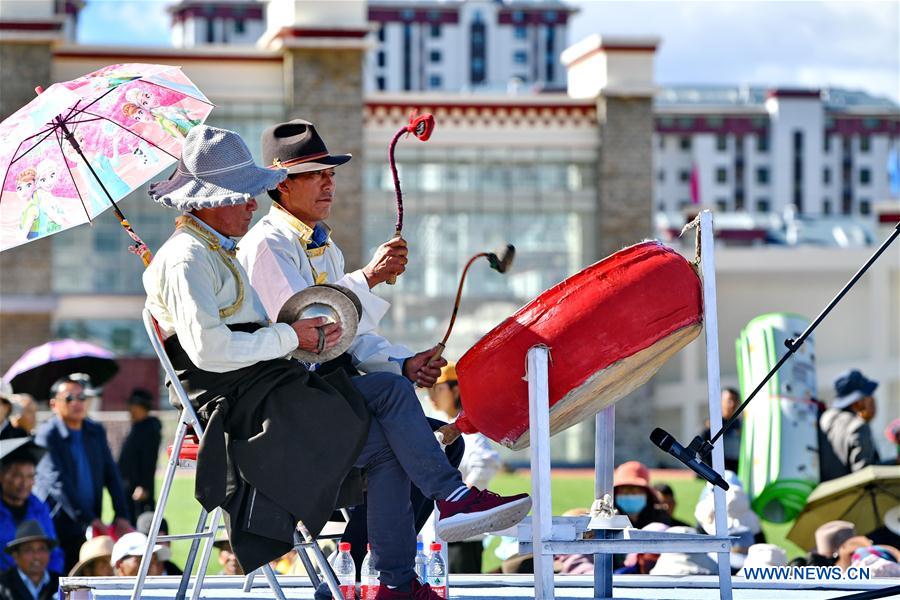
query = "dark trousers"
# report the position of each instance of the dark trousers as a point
(357, 532)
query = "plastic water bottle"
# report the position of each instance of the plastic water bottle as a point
(421, 562)
(437, 572)
(368, 577)
(345, 571)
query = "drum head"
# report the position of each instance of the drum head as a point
(335, 303)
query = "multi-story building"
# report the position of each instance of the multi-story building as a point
(759, 150)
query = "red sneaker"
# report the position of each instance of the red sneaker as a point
(416, 591)
(479, 511)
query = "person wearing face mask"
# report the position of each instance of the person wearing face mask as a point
(634, 497)
(845, 438)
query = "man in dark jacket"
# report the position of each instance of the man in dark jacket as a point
(140, 451)
(29, 579)
(78, 465)
(845, 440)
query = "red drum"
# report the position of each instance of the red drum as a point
(609, 329)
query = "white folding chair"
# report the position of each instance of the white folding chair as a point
(207, 524)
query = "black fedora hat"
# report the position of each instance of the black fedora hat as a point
(297, 147)
(30, 531)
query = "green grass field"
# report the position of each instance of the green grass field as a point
(569, 491)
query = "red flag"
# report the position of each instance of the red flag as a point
(695, 184)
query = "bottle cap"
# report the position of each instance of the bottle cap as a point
(419, 546)
(368, 547)
(435, 546)
(344, 547)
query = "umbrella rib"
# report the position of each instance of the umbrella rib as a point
(9, 166)
(134, 133)
(75, 185)
(168, 87)
(36, 144)
(92, 102)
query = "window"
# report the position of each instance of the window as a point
(661, 142)
(865, 143)
(380, 83)
(721, 143)
(661, 176)
(684, 143)
(520, 32)
(381, 33)
(382, 58)
(826, 206)
(762, 175)
(762, 205)
(477, 52)
(865, 206)
(520, 57)
(434, 81)
(865, 175)
(721, 205)
(240, 26)
(826, 175)
(762, 143)
(210, 31)
(435, 56)
(684, 176)
(826, 143)
(435, 30)
(722, 175)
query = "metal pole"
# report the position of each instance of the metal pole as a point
(711, 318)
(604, 462)
(539, 423)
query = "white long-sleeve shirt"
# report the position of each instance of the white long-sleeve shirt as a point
(274, 255)
(188, 284)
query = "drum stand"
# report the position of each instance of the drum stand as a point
(545, 535)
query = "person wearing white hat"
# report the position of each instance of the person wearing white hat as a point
(681, 563)
(763, 555)
(128, 551)
(281, 442)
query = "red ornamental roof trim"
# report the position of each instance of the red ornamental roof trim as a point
(437, 15)
(584, 109)
(857, 125)
(720, 125)
(889, 217)
(249, 11)
(30, 25)
(793, 93)
(139, 56)
(311, 32)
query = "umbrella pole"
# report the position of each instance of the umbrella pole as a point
(139, 248)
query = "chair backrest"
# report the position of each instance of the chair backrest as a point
(156, 340)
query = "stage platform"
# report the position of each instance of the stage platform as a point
(483, 587)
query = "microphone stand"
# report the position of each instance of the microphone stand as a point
(704, 447)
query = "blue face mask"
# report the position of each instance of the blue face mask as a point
(632, 504)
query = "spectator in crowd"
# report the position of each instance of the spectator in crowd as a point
(140, 451)
(742, 522)
(143, 524)
(680, 563)
(892, 433)
(667, 503)
(881, 561)
(829, 537)
(227, 559)
(634, 497)
(846, 550)
(643, 562)
(845, 438)
(764, 555)
(94, 558)
(24, 413)
(731, 439)
(30, 578)
(7, 429)
(480, 462)
(17, 466)
(78, 465)
(127, 553)
(889, 532)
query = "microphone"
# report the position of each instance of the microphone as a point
(670, 445)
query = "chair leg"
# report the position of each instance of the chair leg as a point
(248, 581)
(191, 557)
(160, 509)
(307, 564)
(327, 571)
(273, 582)
(207, 549)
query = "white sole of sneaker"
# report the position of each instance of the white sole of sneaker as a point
(465, 525)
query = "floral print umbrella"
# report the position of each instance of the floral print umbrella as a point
(82, 145)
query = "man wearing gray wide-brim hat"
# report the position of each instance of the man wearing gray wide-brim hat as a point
(290, 434)
(30, 577)
(846, 444)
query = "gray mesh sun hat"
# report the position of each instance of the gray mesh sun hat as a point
(216, 169)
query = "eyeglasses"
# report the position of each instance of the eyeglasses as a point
(71, 397)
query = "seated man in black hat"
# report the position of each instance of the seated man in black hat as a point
(280, 441)
(29, 578)
(18, 459)
(291, 249)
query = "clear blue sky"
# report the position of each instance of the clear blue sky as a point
(852, 44)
